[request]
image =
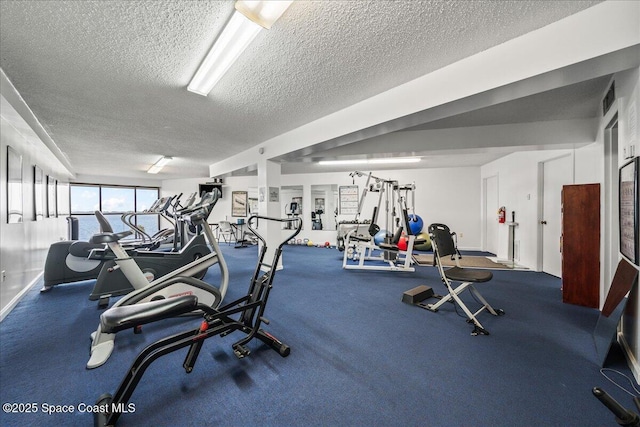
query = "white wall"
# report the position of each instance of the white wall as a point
(23, 246)
(222, 209)
(628, 102)
(114, 180)
(518, 182)
(518, 190)
(449, 195)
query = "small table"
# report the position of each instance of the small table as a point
(239, 235)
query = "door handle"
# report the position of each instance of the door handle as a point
(543, 222)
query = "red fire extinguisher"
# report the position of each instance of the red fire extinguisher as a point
(502, 215)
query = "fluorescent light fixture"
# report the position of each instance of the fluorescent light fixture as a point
(157, 166)
(245, 24)
(263, 13)
(389, 160)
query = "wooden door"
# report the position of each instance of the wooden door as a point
(581, 244)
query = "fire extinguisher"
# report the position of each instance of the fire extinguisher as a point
(502, 215)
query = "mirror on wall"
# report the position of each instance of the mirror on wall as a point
(291, 202)
(324, 202)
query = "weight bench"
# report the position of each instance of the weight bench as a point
(444, 246)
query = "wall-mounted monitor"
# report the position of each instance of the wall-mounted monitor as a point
(205, 188)
(628, 208)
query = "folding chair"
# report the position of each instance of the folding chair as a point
(227, 232)
(444, 246)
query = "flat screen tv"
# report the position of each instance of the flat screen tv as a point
(205, 188)
(628, 209)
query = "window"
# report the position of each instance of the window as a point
(112, 201)
(145, 197)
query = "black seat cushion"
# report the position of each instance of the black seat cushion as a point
(83, 249)
(128, 316)
(389, 246)
(460, 274)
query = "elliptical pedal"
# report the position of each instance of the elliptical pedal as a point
(103, 302)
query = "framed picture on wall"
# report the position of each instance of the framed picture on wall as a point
(348, 199)
(52, 211)
(274, 194)
(14, 186)
(239, 203)
(38, 193)
(628, 209)
(253, 206)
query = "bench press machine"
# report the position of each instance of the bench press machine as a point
(385, 256)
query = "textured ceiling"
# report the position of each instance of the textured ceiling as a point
(577, 101)
(107, 79)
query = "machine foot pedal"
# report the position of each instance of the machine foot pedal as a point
(103, 302)
(240, 351)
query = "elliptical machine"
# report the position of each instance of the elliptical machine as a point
(176, 283)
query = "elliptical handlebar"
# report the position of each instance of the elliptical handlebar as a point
(297, 227)
(206, 204)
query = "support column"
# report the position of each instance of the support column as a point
(269, 205)
(307, 207)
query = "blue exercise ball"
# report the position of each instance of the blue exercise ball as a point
(379, 237)
(415, 224)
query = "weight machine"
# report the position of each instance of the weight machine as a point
(386, 255)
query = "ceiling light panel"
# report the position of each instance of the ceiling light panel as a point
(389, 160)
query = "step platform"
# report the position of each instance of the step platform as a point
(417, 294)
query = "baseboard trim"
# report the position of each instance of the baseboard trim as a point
(7, 309)
(631, 360)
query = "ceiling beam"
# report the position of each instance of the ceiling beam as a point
(562, 53)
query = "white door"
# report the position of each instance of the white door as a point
(556, 173)
(491, 214)
(610, 208)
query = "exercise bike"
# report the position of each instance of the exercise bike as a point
(250, 310)
(179, 282)
(73, 261)
(113, 280)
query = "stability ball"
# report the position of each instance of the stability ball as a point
(379, 237)
(415, 224)
(426, 246)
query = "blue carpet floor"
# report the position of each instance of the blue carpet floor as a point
(360, 357)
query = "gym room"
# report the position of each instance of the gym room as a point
(438, 199)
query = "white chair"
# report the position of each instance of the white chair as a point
(227, 232)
